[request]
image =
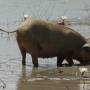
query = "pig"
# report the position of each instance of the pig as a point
(46, 39)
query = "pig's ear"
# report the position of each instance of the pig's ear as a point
(86, 47)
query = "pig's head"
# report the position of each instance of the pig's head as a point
(83, 54)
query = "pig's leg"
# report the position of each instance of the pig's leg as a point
(23, 52)
(59, 61)
(35, 60)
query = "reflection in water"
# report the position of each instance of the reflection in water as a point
(85, 85)
(23, 81)
(41, 79)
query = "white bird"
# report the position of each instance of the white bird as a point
(83, 70)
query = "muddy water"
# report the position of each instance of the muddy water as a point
(14, 76)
